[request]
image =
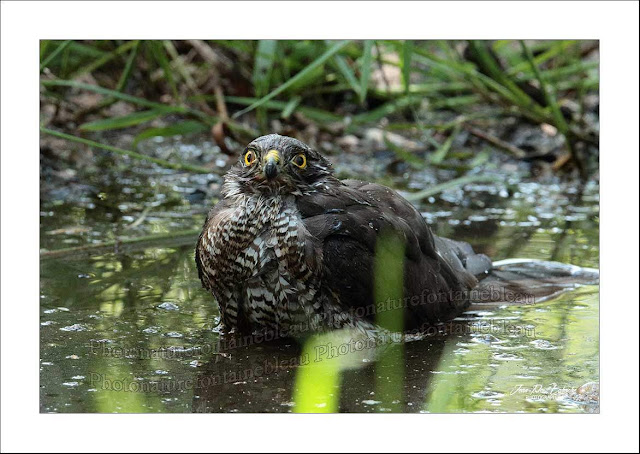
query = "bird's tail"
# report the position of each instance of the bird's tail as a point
(528, 281)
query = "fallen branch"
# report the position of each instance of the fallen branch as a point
(179, 238)
(561, 161)
(515, 151)
(209, 55)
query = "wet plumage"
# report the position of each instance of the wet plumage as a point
(290, 247)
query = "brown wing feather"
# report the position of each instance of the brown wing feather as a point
(346, 222)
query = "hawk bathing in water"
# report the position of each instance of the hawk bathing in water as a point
(290, 247)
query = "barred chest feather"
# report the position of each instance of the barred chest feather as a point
(258, 261)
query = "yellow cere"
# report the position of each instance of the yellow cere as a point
(272, 154)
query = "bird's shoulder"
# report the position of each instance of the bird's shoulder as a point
(218, 212)
(361, 211)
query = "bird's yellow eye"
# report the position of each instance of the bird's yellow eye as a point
(300, 161)
(249, 158)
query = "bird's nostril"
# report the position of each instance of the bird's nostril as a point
(271, 170)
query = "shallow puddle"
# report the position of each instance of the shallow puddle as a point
(131, 330)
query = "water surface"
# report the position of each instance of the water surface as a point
(129, 328)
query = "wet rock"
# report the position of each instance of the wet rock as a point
(589, 392)
(75, 327)
(377, 137)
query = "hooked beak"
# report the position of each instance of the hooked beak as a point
(271, 164)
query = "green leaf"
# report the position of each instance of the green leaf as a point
(125, 121)
(310, 68)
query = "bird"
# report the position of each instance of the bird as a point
(291, 249)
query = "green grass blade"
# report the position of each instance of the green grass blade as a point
(312, 113)
(263, 65)
(454, 102)
(427, 89)
(348, 74)
(311, 67)
(483, 84)
(549, 95)
(290, 107)
(491, 65)
(44, 45)
(386, 109)
(124, 121)
(54, 54)
(160, 55)
(407, 52)
(562, 73)
(116, 94)
(553, 51)
(126, 72)
(410, 158)
(87, 51)
(365, 69)
(105, 58)
(178, 129)
(123, 152)
(441, 153)
(481, 158)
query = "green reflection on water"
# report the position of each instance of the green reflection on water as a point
(388, 286)
(113, 316)
(528, 371)
(317, 387)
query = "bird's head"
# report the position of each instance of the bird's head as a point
(275, 164)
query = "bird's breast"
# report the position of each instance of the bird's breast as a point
(253, 254)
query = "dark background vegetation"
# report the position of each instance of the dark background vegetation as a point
(432, 103)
